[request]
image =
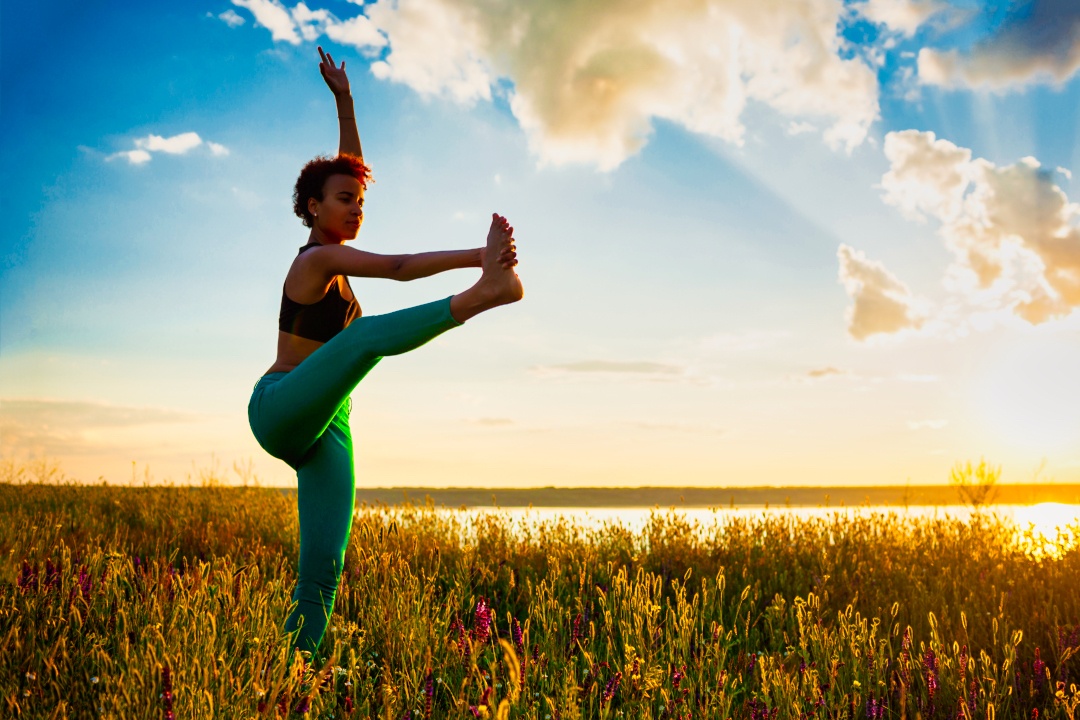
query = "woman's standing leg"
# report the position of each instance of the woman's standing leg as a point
(326, 496)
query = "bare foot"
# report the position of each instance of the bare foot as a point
(499, 284)
(501, 281)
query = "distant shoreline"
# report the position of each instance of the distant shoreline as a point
(711, 497)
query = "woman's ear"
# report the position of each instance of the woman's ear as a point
(313, 206)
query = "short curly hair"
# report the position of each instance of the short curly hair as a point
(314, 175)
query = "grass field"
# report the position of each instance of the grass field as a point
(159, 602)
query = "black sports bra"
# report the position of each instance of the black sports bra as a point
(320, 320)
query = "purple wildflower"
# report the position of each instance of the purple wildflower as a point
(1039, 670)
(905, 659)
(611, 688)
(303, 706)
(166, 693)
(575, 635)
(429, 693)
(86, 582)
(677, 675)
(519, 640)
(52, 575)
(28, 578)
(930, 662)
(483, 621)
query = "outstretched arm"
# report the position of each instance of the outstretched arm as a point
(338, 82)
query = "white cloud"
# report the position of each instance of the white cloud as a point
(926, 175)
(310, 23)
(904, 16)
(1011, 229)
(882, 304)
(176, 145)
(135, 157)
(589, 78)
(273, 16)
(798, 127)
(1042, 43)
(358, 31)
(230, 18)
(435, 48)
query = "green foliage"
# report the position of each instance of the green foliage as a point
(872, 615)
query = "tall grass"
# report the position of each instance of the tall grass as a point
(161, 602)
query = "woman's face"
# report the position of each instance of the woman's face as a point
(341, 210)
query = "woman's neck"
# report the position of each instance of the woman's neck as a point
(318, 237)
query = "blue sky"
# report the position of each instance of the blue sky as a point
(747, 260)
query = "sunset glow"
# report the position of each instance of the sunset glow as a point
(802, 243)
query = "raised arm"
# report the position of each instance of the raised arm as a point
(338, 82)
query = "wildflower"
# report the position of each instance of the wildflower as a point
(575, 635)
(94, 680)
(519, 641)
(483, 621)
(31, 676)
(348, 705)
(930, 662)
(1039, 670)
(52, 575)
(905, 659)
(85, 582)
(167, 695)
(677, 675)
(27, 580)
(611, 688)
(429, 694)
(303, 706)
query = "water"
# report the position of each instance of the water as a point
(1035, 525)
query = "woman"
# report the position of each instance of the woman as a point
(299, 410)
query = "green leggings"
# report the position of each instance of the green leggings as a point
(302, 417)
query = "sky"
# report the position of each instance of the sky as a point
(763, 242)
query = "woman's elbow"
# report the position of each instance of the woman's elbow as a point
(402, 270)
